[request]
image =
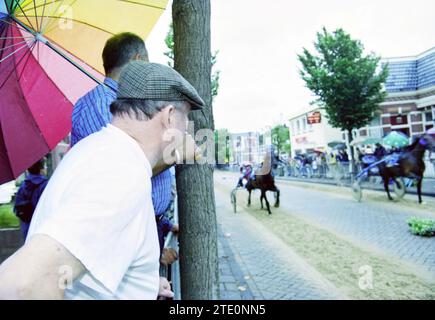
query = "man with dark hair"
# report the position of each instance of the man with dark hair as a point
(92, 113)
(93, 235)
(29, 193)
(120, 50)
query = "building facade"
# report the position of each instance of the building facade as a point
(247, 147)
(410, 104)
(311, 131)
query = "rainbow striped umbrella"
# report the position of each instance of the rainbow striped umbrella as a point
(50, 55)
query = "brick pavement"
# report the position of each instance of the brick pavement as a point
(254, 264)
(378, 225)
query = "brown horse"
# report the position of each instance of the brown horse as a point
(264, 181)
(410, 164)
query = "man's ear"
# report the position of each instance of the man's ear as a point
(168, 116)
(141, 58)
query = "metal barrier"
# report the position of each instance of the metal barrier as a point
(172, 271)
(336, 171)
(340, 170)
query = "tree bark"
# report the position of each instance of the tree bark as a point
(196, 200)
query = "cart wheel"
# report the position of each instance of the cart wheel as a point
(357, 191)
(234, 200)
(399, 188)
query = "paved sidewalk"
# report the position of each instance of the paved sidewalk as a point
(254, 264)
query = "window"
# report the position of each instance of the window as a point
(298, 126)
(428, 116)
(304, 121)
(399, 120)
(375, 132)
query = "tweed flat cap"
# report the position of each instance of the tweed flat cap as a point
(153, 81)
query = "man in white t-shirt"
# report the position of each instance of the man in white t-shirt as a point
(93, 235)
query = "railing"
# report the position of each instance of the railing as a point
(338, 171)
(172, 271)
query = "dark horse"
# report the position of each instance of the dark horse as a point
(409, 165)
(264, 181)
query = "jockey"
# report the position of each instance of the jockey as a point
(247, 172)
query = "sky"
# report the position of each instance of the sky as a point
(258, 43)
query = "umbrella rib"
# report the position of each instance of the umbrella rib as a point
(4, 32)
(142, 4)
(42, 5)
(11, 54)
(14, 38)
(63, 55)
(26, 5)
(7, 78)
(34, 123)
(27, 18)
(38, 52)
(81, 22)
(36, 15)
(4, 59)
(13, 25)
(10, 6)
(27, 60)
(42, 16)
(126, 1)
(13, 45)
(49, 22)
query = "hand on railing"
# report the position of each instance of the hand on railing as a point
(165, 290)
(169, 256)
(175, 228)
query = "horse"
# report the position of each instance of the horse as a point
(410, 164)
(263, 179)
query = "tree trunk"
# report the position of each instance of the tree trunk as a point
(196, 200)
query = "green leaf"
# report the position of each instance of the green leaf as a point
(344, 80)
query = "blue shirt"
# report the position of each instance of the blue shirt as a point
(91, 113)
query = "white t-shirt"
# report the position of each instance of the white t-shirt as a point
(98, 206)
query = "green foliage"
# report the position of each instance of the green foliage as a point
(422, 227)
(215, 76)
(223, 146)
(347, 83)
(169, 41)
(281, 139)
(8, 218)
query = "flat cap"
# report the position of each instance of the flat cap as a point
(153, 81)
